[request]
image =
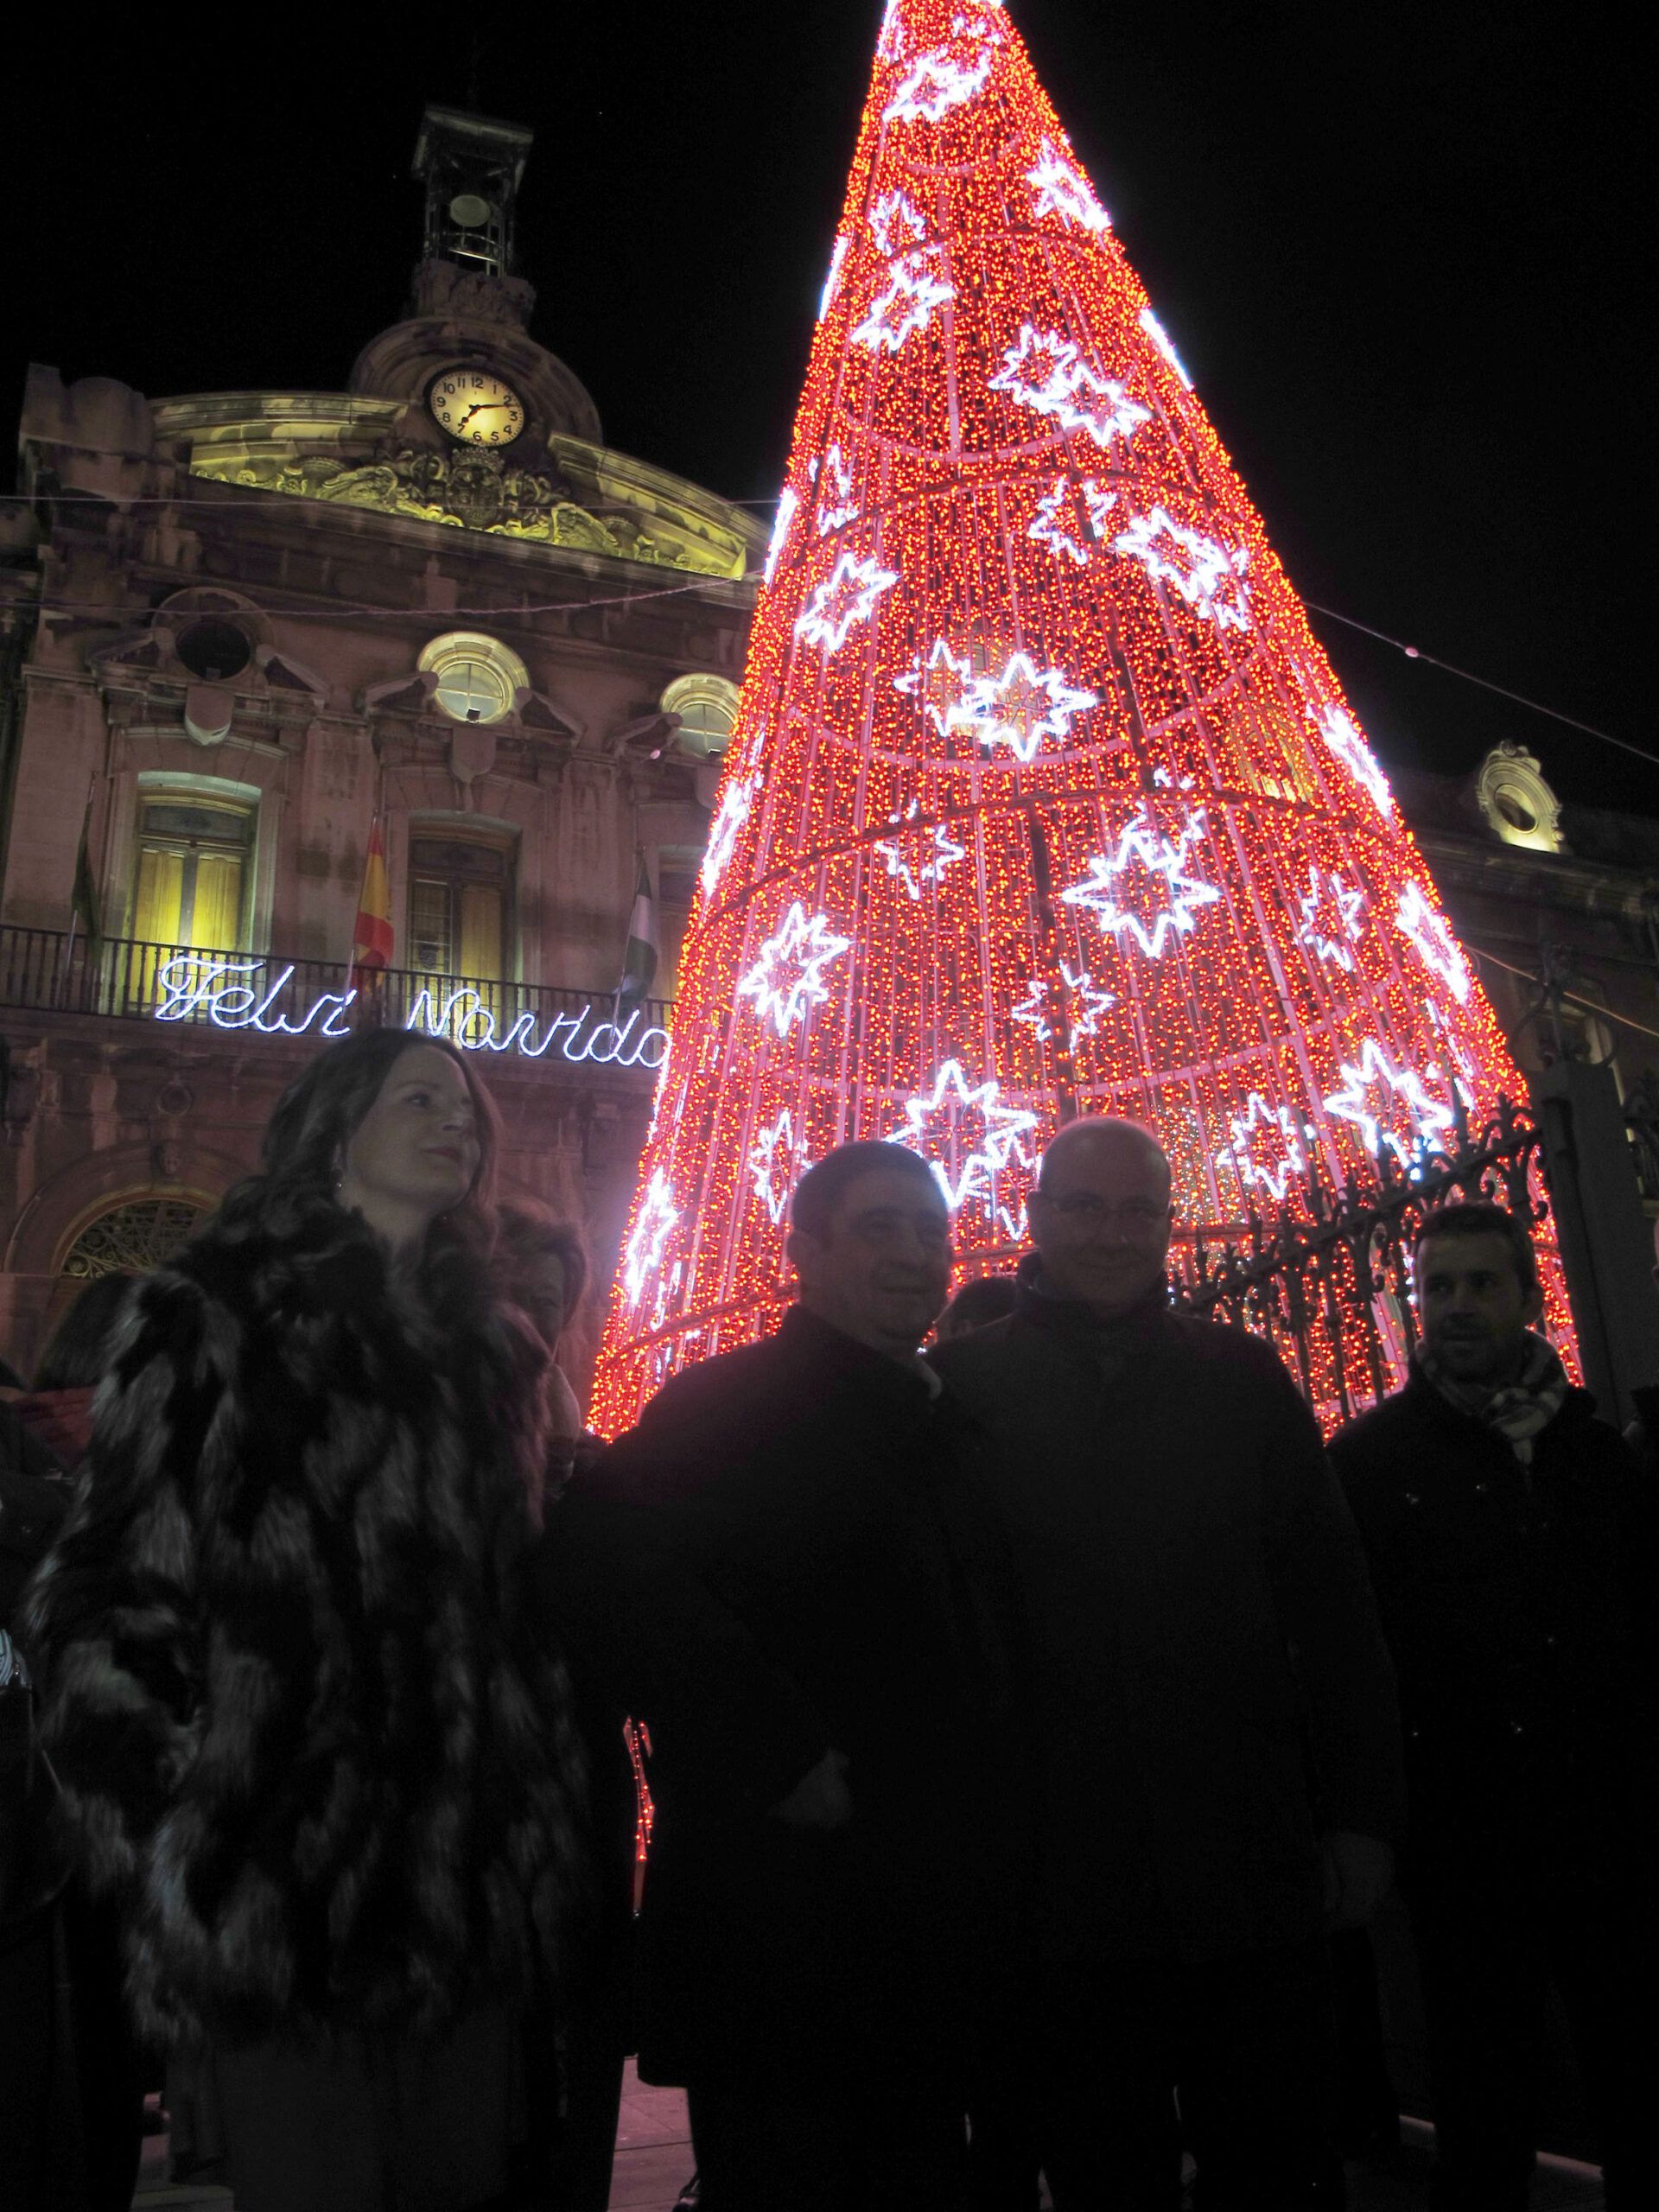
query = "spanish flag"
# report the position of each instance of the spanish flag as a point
(371, 939)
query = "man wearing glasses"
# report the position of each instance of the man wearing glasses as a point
(1213, 1707)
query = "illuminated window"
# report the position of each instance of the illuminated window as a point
(707, 707)
(478, 676)
(190, 882)
(460, 907)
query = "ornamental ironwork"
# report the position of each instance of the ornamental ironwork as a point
(133, 1238)
(1327, 1282)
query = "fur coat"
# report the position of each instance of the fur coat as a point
(307, 1731)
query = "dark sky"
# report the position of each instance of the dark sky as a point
(1403, 251)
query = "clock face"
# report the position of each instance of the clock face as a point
(475, 406)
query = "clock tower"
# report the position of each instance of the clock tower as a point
(471, 167)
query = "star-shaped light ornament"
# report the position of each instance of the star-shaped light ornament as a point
(1376, 1096)
(774, 1165)
(1146, 861)
(1209, 576)
(1062, 189)
(941, 681)
(1437, 948)
(897, 225)
(1019, 708)
(967, 1136)
(730, 816)
(1039, 1010)
(1042, 371)
(905, 307)
(1065, 529)
(919, 855)
(1330, 918)
(1267, 1149)
(836, 505)
(1341, 733)
(849, 596)
(935, 84)
(787, 980)
(644, 1252)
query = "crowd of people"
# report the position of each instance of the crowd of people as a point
(1032, 1718)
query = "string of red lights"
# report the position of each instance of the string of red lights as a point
(1043, 799)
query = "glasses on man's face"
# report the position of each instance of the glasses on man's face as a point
(1084, 1209)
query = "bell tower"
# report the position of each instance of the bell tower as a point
(471, 167)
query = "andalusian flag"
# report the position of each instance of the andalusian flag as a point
(372, 939)
(639, 962)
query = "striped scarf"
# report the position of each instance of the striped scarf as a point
(1522, 1409)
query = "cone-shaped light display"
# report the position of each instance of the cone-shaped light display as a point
(1042, 798)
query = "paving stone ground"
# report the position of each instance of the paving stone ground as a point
(653, 2162)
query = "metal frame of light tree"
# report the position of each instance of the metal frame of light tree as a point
(1042, 799)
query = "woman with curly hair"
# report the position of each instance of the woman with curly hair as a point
(309, 1735)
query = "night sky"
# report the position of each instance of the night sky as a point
(1403, 251)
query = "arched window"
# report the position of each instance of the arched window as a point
(707, 707)
(134, 1235)
(479, 677)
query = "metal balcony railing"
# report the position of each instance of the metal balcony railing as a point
(132, 979)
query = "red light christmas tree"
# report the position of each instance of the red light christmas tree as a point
(1042, 799)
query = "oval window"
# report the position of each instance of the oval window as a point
(1514, 810)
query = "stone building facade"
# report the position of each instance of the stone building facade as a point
(239, 629)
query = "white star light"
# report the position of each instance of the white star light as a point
(890, 45)
(774, 1159)
(1368, 1093)
(837, 506)
(1437, 948)
(936, 85)
(966, 1137)
(1055, 523)
(1159, 337)
(787, 502)
(1281, 1157)
(1341, 733)
(1043, 372)
(941, 676)
(838, 258)
(1207, 575)
(907, 305)
(1330, 914)
(1019, 708)
(1034, 1007)
(1062, 190)
(1143, 845)
(893, 212)
(730, 816)
(787, 980)
(931, 858)
(644, 1248)
(848, 597)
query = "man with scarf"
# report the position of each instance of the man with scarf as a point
(1213, 1710)
(1513, 1545)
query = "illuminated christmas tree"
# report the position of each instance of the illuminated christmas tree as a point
(1042, 799)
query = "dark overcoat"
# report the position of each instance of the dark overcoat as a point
(1210, 1683)
(790, 1554)
(308, 1735)
(1518, 1602)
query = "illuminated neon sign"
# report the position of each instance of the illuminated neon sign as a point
(235, 994)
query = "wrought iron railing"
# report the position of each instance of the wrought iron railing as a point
(1328, 1284)
(133, 979)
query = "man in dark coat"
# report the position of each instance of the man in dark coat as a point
(1214, 1711)
(787, 1574)
(1514, 1547)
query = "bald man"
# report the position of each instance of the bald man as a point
(1214, 1710)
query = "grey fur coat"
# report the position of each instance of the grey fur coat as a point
(307, 1731)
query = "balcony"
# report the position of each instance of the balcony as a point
(128, 979)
